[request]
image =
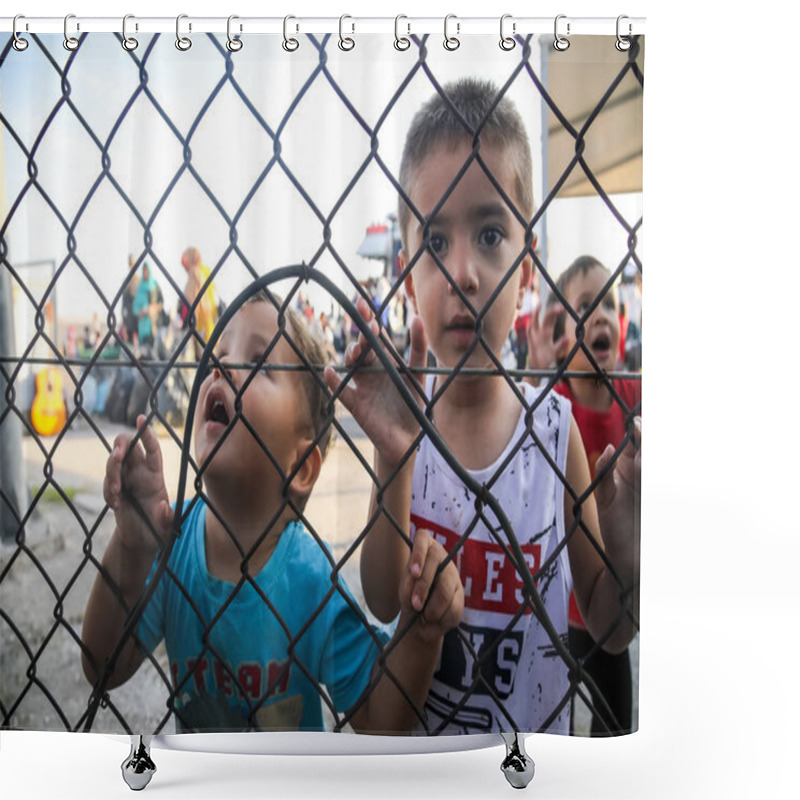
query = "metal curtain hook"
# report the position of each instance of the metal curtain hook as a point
(346, 42)
(451, 42)
(128, 42)
(290, 44)
(623, 43)
(234, 45)
(70, 42)
(183, 43)
(401, 42)
(19, 43)
(560, 42)
(506, 42)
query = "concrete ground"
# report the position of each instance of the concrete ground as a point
(44, 586)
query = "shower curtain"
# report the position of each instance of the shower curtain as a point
(151, 183)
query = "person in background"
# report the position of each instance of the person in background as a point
(199, 292)
(327, 336)
(602, 421)
(130, 324)
(146, 307)
(523, 320)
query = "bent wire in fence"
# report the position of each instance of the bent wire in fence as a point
(162, 370)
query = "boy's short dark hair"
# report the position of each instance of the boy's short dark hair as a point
(580, 266)
(499, 126)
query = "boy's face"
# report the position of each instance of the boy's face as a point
(477, 239)
(601, 331)
(273, 404)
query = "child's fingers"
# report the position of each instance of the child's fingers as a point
(347, 395)
(437, 590)
(165, 514)
(331, 378)
(637, 432)
(112, 484)
(540, 331)
(353, 353)
(606, 488)
(561, 348)
(551, 315)
(604, 458)
(367, 314)
(634, 447)
(111, 490)
(414, 590)
(419, 553)
(445, 603)
(364, 309)
(634, 452)
(532, 328)
(418, 357)
(149, 440)
(426, 555)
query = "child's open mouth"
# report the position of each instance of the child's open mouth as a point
(218, 413)
(216, 409)
(601, 346)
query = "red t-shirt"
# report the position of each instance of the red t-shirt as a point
(598, 430)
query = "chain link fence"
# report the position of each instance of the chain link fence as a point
(56, 526)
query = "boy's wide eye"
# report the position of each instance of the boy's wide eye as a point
(259, 365)
(491, 237)
(437, 243)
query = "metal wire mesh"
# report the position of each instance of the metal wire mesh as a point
(52, 591)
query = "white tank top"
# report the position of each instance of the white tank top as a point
(500, 670)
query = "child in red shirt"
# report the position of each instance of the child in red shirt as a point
(600, 408)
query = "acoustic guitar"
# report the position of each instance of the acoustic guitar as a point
(49, 411)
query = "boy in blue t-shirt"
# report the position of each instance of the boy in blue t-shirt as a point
(253, 618)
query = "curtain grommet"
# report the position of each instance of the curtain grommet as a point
(183, 43)
(507, 42)
(561, 43)
(70, 42)
(234, 45)
(290, 44)
(451, 43)
(19, 43)
(129, 43)
(346, 43)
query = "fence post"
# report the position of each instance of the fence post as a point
(12, 484)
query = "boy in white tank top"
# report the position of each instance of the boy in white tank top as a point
(468, 246)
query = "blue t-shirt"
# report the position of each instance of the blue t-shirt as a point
(268, 641)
